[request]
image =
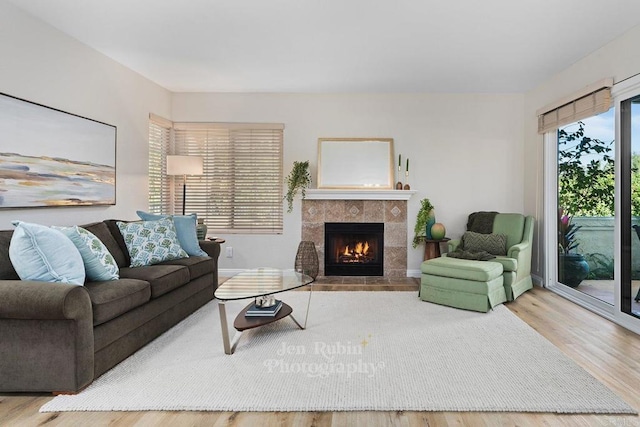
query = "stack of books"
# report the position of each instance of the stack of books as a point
(256, 311)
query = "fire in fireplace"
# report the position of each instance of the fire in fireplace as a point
(353, 249)
(356, 253)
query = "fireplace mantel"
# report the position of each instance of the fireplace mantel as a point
(327, 194)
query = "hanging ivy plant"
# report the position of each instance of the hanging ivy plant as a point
(298, 179)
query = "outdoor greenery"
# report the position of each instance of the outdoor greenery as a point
(635, 184)
(566, 233)
(600, 266)
(585, 182)
(586, 175)
(586, 187)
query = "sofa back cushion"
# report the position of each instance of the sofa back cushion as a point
(117, 236)
(7, 272)
(511, 225)
(103, 232)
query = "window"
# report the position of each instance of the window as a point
(159, 184)
(580, 200)
(241, 188)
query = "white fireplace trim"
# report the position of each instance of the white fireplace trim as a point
(325, 194)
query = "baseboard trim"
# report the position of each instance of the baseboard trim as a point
(414, 273)
(537, 280)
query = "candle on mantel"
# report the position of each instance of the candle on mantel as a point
(399, 161)
(407, 165)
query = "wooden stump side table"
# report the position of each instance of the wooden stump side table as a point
(432, 248)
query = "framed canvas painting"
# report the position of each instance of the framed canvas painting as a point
(52, 158)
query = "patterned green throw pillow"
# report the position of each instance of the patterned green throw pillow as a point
(495, 244)
(151, 242)
(98, 261)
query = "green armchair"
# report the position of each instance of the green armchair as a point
(517, 263)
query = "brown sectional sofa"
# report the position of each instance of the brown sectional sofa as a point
(58, 337)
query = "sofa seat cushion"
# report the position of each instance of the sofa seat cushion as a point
(162, 278)
(508, 264)
(478, 271)
(198, 265)
(115, 297)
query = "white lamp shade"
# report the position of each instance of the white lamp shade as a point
(184, 165)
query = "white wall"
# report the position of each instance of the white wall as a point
(45, 66)
(618, 59)
(466, 151)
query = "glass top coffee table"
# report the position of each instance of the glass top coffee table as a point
(253, 284)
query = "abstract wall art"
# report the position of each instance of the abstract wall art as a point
(53, 158)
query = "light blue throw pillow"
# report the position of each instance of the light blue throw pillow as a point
(185, 228)
(41, 253)
(151, 242)
(98, 261)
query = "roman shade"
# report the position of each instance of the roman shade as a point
(590, 101)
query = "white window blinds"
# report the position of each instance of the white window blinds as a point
(159, 183)
(592, 100)
(241, 188)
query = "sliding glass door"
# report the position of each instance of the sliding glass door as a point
(586, 206)
(592, 181)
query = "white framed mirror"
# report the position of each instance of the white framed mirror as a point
(356, 163)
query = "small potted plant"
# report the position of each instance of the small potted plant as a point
(572, 266)
(298, 179)
(424, 217)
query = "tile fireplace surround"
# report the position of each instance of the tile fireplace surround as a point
(388, 207)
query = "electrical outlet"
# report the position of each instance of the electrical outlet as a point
(229, 252)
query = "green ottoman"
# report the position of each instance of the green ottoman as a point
(461, 283)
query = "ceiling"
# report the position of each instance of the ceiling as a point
(334, 46)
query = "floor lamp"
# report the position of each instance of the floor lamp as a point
(184, 165)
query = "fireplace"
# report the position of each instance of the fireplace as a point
(332, 206)
(353, 249)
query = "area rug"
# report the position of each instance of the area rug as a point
(375, 351)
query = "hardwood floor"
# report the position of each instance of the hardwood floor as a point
(609, 352)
